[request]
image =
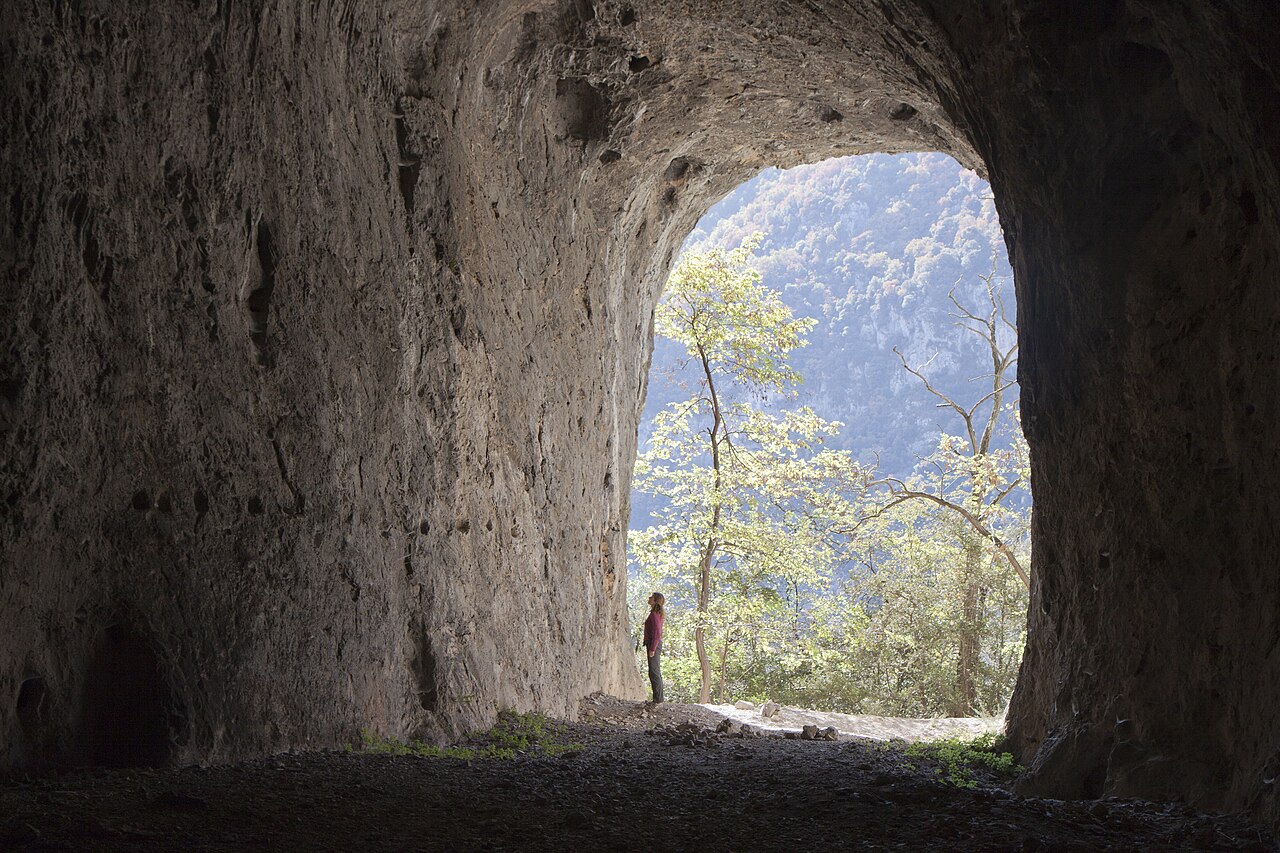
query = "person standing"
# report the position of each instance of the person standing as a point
(653, 643)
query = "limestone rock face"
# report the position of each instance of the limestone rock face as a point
(326, 329)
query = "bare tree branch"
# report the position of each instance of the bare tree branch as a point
(904, 494)
(946, 401)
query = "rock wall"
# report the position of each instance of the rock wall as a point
(327, 328)
(276, 411)
(1132, 152)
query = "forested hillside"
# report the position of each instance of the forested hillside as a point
(869, 247)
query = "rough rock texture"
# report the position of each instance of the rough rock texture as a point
(325, 334)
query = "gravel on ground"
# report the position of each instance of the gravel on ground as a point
(645, 779)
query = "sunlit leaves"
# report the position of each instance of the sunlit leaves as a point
(829, 584)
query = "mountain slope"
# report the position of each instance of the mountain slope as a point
(870, 247)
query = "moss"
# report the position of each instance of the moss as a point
(514, 734)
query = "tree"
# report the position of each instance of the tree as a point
(979, 478)
(793, 573)
(733, 473)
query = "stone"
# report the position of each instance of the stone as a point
(830, 733)
(809, 732)
(178, 801)
(770, 709)
(16, 831)
(744, 705)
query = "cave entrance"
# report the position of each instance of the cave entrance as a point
(126, 704)
(831, 436)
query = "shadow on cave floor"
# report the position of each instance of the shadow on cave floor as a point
(628, 788)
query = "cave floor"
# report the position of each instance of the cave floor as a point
(626, 789)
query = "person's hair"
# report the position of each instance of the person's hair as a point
(658, 601)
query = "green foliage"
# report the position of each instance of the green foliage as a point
(519, 734)
(828, 584)
(957, 760)
(736, 540)
(514, 734)
(869, 246)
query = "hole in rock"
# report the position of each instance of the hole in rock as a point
(30, 706)
(410, 165)
(141, 501)
(584, 109)
(126, 704)
(831, 447)
(258, 302)
(901, 112)
(424, 673)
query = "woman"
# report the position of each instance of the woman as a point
(653, 643)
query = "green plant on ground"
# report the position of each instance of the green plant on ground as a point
(376, 744)
(958, 758)
(523, 733)
(514, 734)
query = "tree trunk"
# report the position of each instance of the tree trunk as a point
(724, 668)
(969, 645)
(709, 551)
(700, 634)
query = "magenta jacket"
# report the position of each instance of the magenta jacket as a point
(653, 630)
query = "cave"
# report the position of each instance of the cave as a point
(365, 291)
(125, 706)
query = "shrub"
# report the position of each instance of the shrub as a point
(959, 758)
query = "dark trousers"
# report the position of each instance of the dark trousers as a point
(655, 674)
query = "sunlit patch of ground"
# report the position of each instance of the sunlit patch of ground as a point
(790, 719)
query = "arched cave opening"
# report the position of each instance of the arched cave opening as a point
(126, 706)
(470, 216)
(875, 560)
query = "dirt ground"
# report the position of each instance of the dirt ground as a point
(864, 725)
(639, 783)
